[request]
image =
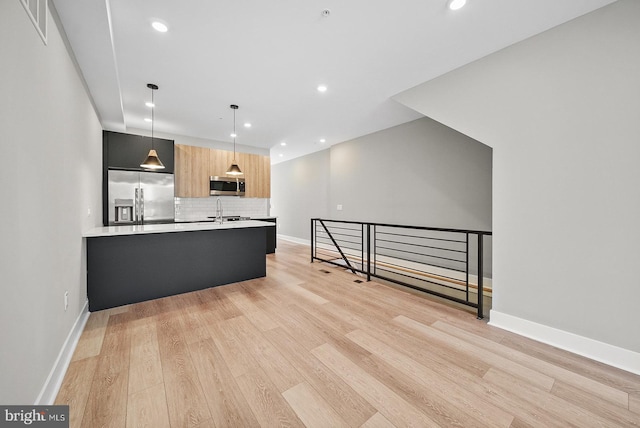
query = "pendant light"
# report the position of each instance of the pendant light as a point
(234, 169)
(152, 161)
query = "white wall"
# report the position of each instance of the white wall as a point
(50, 146)
(561, 111)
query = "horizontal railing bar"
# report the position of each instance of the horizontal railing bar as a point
(343, 232)
(359, 241)
(344, 239)
(343, 228)
(436, 276)
(335, 231)
(428, 264)
(423, 246)
(440, 229)
(422, 254)
(425, 280)
(426, 272)
(346, 234)
(421, 237)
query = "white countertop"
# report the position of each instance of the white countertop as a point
(172, 227)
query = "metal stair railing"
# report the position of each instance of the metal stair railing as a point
(433, 260)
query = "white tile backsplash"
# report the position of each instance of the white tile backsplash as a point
(196, 209)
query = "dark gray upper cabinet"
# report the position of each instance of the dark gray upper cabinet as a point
(127, 151)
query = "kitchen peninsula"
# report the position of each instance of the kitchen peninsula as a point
(129, 264)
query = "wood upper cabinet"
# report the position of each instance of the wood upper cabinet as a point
(191, 171)
(194, 166)
(257, 173)
(219, 161)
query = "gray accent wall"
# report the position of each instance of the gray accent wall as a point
(49, 180)
(561, 111)
(419, 173)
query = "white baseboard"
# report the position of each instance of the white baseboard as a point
(294, 239)
(599, 351)
(53, 383)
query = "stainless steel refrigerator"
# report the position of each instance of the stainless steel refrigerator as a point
(151, 195)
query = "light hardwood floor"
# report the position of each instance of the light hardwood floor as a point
(308, 346)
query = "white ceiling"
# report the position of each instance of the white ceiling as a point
(269, 56)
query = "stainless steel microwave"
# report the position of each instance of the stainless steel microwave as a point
(226, 186)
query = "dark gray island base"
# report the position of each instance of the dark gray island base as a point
(126, 269)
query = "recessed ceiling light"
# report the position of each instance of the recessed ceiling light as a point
(146, 119)
(283, 144)
(159, 26)
(247, 125)
(322, 140)
(232, 135)
(149, 104)
(322, 88)
(280, 155)
(456, 4)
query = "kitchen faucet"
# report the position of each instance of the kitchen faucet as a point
(219, 210)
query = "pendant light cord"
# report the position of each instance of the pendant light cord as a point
(234, 169)
(153, 119)
(152, 161)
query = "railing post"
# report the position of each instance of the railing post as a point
(375, 251)
(480, 276)
(362, 246)
(466, 251)
(312, 240)
(368, 252)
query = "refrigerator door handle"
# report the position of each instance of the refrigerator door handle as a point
(141, 205)
(135, 206)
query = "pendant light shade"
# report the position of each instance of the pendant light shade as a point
(234, 169)
(152, 161)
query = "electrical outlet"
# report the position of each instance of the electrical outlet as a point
(339, 208)
(88, 212)
(66, 300)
